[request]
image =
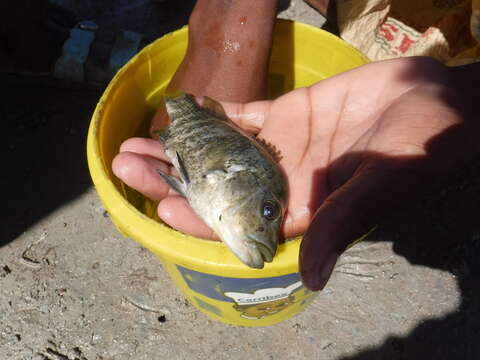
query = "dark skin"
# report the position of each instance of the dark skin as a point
(226, 59)
(227, 75)
(356, 147)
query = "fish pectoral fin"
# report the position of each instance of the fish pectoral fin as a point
(214, 107)
(181, 168)
(174, 183)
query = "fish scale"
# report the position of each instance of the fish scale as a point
(223, 146)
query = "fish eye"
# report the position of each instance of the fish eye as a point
(270, 210)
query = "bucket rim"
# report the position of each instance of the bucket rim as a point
(165, 242)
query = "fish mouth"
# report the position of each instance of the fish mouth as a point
(267, 254)
(259, 252)
(254, 250)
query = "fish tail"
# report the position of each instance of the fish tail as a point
(179, 102)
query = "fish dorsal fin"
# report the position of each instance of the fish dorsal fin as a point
(214, 108)
(270, 149)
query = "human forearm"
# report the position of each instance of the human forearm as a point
(228, 51)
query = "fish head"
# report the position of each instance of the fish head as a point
(250, 227)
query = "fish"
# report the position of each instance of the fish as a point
(229, 177)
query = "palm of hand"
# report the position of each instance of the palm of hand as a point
(345, 127)
(327, 135)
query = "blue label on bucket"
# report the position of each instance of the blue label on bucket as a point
(241, 291)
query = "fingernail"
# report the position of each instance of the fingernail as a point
(326, 270)
(316, 280)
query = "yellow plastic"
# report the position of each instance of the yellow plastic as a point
(208, 274)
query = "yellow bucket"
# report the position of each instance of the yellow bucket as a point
(208, 274)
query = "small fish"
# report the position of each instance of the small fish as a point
(229, 179)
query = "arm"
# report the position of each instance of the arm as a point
(229, 48)
(228, 52)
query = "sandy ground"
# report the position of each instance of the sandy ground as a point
(73, 288)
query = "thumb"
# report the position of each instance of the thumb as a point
(249, 116)
(350, 213)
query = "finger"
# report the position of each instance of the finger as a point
(349, 213)
(141, 173)
(175, 211)
(144, 146)
(250, 116)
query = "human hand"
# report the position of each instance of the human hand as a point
(354, 147)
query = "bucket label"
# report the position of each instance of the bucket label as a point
(253, 298)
